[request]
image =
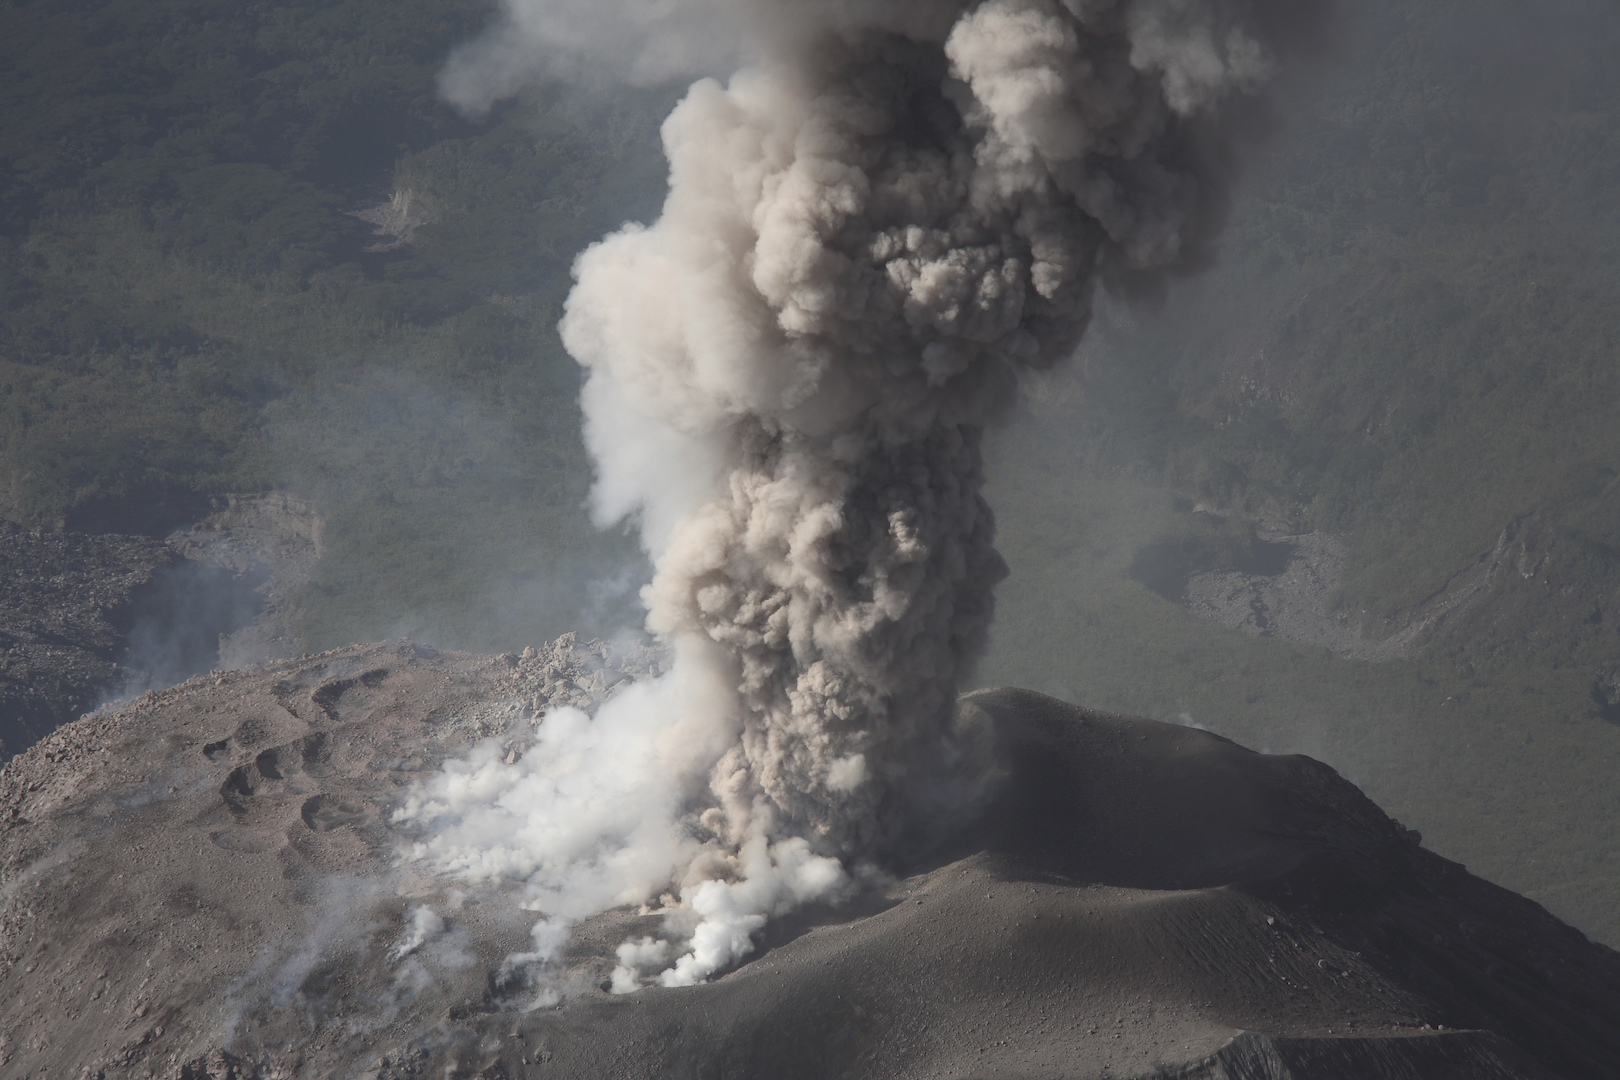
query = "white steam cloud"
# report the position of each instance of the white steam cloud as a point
(425, 925)
(888, 212)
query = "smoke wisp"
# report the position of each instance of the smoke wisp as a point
(887, 214)
(178, 621)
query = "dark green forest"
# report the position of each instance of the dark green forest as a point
(1411, 341)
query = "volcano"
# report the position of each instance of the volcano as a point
(208, 883)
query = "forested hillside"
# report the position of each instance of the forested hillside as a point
(245, 246)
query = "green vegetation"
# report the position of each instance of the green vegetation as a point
(1410, 342)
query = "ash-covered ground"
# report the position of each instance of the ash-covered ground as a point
(208, 883)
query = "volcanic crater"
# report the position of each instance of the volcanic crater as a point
(209, 883)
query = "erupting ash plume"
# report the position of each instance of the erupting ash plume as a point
(888, 212)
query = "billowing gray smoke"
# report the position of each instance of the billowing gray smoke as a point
(880, 220)
(869, 232)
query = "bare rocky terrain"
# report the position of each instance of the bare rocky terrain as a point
(87, 615)
(1293, 600)
(207, 883)
(64, 606)
(1293, 603)
(272, 539)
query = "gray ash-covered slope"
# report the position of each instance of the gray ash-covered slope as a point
(208, 884)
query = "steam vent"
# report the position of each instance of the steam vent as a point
(214, 882)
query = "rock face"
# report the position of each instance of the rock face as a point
(208, 884)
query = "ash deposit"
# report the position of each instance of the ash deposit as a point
(215, 882)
